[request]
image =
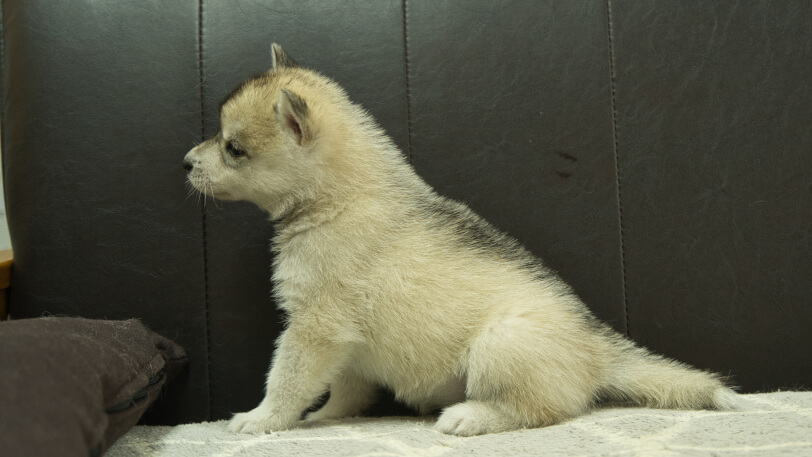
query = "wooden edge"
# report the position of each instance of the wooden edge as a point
(6, 261)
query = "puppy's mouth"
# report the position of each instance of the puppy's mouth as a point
(203, 186)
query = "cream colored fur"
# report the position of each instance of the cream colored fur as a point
(385, 283)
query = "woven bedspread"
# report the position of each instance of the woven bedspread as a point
(770, 424)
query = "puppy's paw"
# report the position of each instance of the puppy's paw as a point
(460, 420)
(473, 418)
(257, 421)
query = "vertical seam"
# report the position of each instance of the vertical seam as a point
(613, 80)
(408, 82)
(203, 209)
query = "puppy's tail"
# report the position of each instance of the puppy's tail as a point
(646, 379)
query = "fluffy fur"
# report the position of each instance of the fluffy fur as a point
(386, 283)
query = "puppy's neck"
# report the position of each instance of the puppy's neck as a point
(355, 178)
(308, 215)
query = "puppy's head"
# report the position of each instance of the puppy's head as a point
(266, 150)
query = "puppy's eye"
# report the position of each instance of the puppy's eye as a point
(233, 150)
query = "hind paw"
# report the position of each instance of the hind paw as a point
(459, 420)
(473, 418)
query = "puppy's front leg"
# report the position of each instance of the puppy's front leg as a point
(304, 364)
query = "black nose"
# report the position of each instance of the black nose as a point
(187, 165)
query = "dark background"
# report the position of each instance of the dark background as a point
(657, 154)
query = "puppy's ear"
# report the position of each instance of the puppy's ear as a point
(280, 58)
(294, 116)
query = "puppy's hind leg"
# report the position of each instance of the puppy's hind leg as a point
(524, 371)
(350, 395)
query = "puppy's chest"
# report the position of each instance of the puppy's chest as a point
(309, 272)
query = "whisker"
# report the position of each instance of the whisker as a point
(199, 197)
(210, 192)
(214, 200)
(190, 190)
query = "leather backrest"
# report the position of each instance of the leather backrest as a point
(655, 154)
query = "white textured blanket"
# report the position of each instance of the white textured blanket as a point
(774, 424)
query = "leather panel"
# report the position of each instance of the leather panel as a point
(714, 104)
(511, 113)
(97, 102)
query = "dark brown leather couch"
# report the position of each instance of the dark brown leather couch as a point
(657, 153)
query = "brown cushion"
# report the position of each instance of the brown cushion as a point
(71, 387)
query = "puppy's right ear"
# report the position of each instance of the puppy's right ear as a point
(280, 58)
(294, 115)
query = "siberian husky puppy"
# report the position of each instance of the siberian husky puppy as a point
(387, 283)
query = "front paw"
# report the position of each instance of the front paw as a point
(258, 421)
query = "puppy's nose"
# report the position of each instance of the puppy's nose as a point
(187, 165)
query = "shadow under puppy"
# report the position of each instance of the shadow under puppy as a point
(387, 283)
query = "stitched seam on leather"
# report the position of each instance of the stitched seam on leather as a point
(203, 209)
(408, 82)
(612, 78)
